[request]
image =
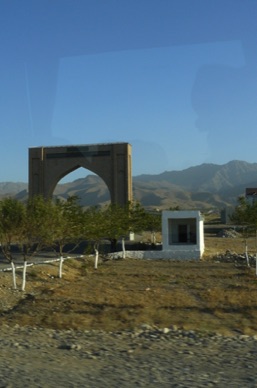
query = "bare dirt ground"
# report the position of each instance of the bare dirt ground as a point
(211, 295)
(133, 323)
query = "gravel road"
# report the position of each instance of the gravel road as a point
(145, 357)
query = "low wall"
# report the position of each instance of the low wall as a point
(173, 255)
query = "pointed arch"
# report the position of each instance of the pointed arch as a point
(111, 162)
(89, 188)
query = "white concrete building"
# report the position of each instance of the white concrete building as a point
(182, 234)
(182, 237)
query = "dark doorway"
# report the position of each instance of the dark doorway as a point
(182, 233)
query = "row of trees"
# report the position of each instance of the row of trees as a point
(41, 223)
(245, 213)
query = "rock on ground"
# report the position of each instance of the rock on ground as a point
(144, 357)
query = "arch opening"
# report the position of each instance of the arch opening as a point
(90, 188)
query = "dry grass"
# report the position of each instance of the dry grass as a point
(206, 295)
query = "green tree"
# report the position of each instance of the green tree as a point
(120, 220)
(66, 227)
(94, 228)
(112, 223)
(137, 216)
(12, 215)
(245, 213)
(38, 224)
(116, 223)
(153, 224)
(36, 231)
(67, 224)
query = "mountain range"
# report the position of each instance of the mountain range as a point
(204, 187)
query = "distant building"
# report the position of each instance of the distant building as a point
(225, 214)
(251, 194)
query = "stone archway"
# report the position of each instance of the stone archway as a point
(112, 162)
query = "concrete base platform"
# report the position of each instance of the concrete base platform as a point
(172, 255)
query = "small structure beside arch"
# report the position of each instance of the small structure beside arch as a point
(182, 237)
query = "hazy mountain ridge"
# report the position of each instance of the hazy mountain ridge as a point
(207, 177)
(12, 188)
(204, 186)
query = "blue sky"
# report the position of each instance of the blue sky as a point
(175, 78)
